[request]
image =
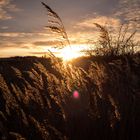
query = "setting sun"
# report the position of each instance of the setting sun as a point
(69, 53)
(69, 70)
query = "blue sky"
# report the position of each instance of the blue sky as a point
(22, 22)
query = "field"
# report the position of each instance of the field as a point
(37, 102)
(90, 94)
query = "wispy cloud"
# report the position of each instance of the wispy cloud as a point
(20, 45)
(5, 8)
(103, 20)
(87, 31)
(16, 48)
(129, 11)
(12, 34)
(24, 34)
(46, 43)
(4, 27)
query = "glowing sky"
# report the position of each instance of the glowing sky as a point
(22, 22)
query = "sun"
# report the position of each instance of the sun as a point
(69, 53)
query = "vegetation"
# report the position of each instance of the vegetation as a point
(36, 98)
(37, 103)
(114, 45)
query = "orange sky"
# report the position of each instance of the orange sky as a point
(22, 23)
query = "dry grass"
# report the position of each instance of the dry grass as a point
(117, 43)
(36, 101)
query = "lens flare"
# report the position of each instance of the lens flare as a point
(76, 95)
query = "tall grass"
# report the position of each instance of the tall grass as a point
(117, 43)
(56, 26)
(37, 103)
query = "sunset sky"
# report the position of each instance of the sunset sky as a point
(22, 22)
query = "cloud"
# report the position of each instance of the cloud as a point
(129, 11)
(5, 46)
(8, 49)
(24, 34)
(11, 34)
(38, 53)
(102, 20)
(89, 32)
(46, 43)
(21, 45)
(4, 27)
(5, 7)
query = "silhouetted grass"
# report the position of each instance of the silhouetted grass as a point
(36, 94)
(36, 98)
